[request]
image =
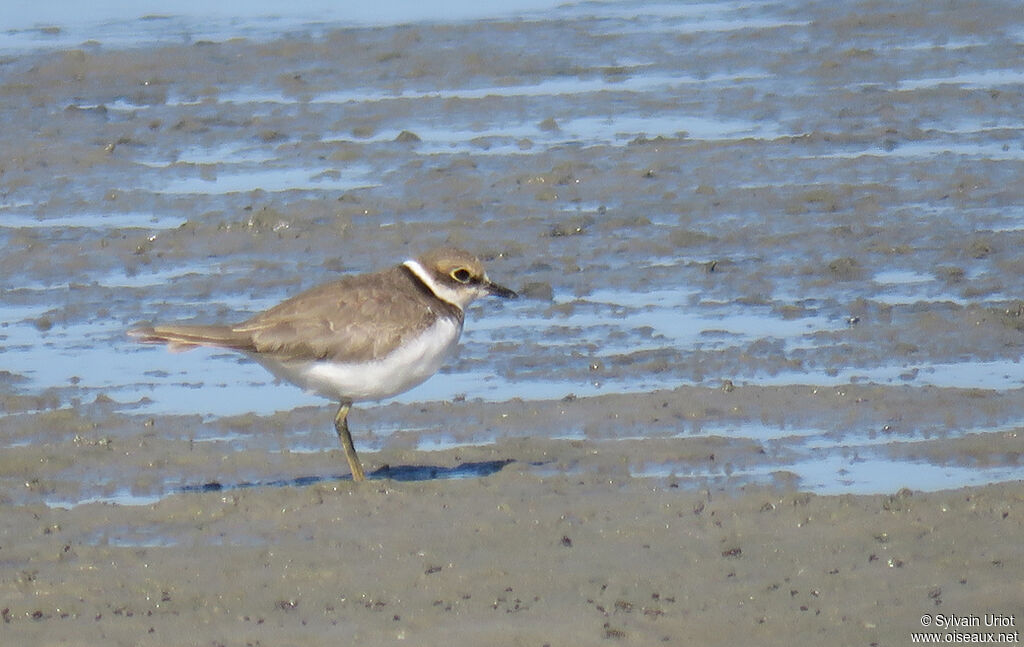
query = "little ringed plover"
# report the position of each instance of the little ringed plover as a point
(362, 337)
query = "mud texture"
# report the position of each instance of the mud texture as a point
(763, 384)
(512, 559)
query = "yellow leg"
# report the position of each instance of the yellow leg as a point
(341, 426)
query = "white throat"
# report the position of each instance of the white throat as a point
(460, 298)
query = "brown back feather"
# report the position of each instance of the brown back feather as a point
(185, 335)
(341, 320)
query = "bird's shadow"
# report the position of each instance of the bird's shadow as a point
(477, 469)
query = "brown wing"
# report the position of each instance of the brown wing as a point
(187, 336)
(355, 318)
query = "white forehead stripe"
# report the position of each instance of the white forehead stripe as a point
(443, 292)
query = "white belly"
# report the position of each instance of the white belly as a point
(406, 367)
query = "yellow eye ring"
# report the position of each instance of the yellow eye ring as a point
(462, 275)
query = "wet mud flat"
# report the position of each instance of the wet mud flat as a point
(514, 558)
(764, 381)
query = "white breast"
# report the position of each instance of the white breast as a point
(406, 366)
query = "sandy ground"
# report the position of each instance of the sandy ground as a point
(511, 559)
(522, 542)
(826, 201)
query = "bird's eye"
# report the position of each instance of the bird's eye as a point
(462, 275)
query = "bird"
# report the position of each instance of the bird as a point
(362, 337)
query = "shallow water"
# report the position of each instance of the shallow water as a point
(713, 195)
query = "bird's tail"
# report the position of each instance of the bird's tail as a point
(181, 337)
